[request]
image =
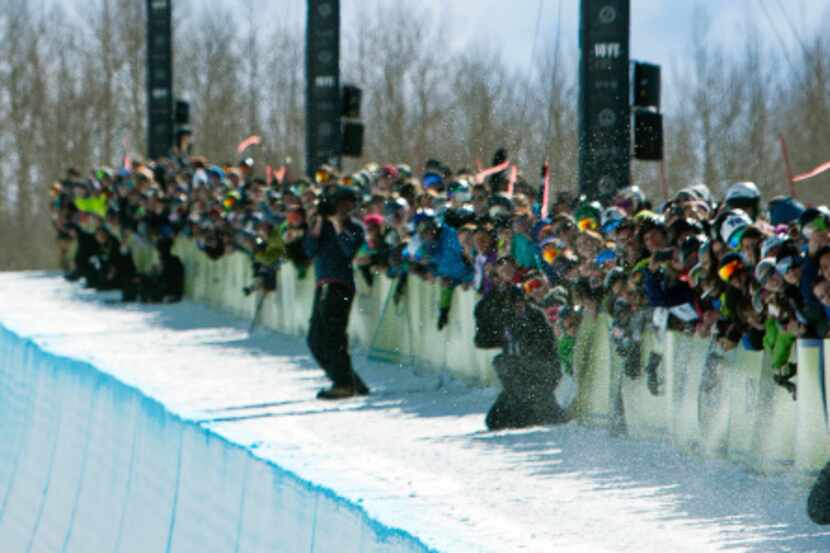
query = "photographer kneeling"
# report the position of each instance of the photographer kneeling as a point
(528, 366)
(333, 241)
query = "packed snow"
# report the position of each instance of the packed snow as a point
(415, 454)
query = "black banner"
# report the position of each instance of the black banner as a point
(323, 100)
(604, 109)
(159, 78)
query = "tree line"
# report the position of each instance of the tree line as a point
(72, 94)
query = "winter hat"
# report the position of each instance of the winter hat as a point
(764, 270)
(630, 199)
(813, 219)
(703, 192)
(788, 263)
(741, 191)
(686, 195)
(783, 210)
(394, 205)
(373, 219)
(771, 244)
(588, 215)
(611, 219)
(404, 170)
(614, 275)
(649, 221)
(732, 227)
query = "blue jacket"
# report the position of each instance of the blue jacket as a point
(333, 253)
(661, 294)
(449, 257)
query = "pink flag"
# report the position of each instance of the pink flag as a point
(492, 171)
(545, 189)
(127, 163)
(279, 174)
(810, 174)
(511, 182)
(252, 140)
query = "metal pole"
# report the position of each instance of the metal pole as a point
(786, 156)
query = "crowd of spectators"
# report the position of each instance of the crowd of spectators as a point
(730, 266)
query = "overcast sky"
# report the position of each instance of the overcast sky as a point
(660, 29)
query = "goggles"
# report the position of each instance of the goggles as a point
(321, 176)
(549, 253)
(531, 285)
(587, 224)
(725, 273)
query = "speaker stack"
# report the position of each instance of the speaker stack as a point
(323, 101)
(159, 78)
(604, 104)
(648, 121)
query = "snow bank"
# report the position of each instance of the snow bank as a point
(88, 463)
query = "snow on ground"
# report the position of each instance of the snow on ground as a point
(416, 454)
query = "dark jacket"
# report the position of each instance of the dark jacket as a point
(333, 253)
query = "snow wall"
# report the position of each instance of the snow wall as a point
(90, 464)
(709, 402)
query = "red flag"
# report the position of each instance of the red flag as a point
(252, 140)
(810, 174)
(279, 174)
(492, 171)
(511, 182)
(545, 189)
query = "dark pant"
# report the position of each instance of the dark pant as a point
(327, 338)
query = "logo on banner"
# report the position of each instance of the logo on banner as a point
(607, 15)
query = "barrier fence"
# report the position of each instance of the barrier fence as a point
(711, 403)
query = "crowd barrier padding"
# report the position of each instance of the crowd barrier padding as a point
(710, 402)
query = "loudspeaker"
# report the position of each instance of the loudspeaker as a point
(182, 113)
(647, 85)
(648, 135)
(604, 97)
(159, 79)
(323, 96)
(352, 139)
(350, 97)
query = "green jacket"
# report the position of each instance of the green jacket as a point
(778, 343)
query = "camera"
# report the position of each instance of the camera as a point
(326, 207)
(664, 255)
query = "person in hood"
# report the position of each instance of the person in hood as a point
(528, 366)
